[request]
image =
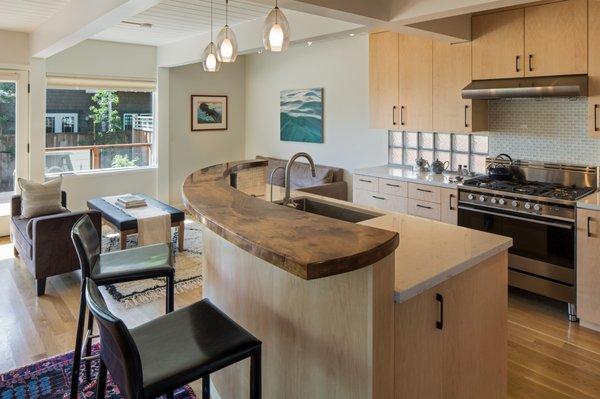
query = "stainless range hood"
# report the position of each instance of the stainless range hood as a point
(547, 86)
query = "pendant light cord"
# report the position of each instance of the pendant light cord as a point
(211, 21)
(226, 12)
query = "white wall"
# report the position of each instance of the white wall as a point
(105, 59)
(190, 151)
(15, 50)
(341, 68)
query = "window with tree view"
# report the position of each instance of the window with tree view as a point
(98, 129)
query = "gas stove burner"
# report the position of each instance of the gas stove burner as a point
(529, 190)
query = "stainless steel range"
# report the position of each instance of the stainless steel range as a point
(537, 209)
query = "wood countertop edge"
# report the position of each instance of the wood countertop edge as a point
(306, 271)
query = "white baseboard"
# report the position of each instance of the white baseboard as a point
(590, 325)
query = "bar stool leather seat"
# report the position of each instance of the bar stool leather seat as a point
(187, 344)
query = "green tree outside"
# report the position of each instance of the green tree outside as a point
(105, 118)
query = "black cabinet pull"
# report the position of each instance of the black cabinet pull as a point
(394, 115)
(596, 117)
(402, 115)
(424, 191)
(379, 198)
(423, 206)
(517, 58)
(450, 202)
(466, 122)
(440, 323)
(530, 62)
(589, 232)
(392, 185)
(365, 180)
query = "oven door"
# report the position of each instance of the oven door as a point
(542, 258)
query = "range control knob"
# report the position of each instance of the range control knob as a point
(501, 201)
(471, 196)
(537, 207)
(515, 204)
(527, 205)
(482, 198)
(494, 200)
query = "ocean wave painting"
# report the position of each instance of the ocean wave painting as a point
(301, 115)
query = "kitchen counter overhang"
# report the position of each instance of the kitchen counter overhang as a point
(306, 245)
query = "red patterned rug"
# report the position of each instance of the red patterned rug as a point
(51, 378)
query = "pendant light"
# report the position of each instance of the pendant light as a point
(210, 61)
(276, 33)
(227, 50)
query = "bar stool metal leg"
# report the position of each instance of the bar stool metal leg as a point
(255, 374)
(78, 344)
(206, 387)
(170, 291)
(101, 381)
(88, 346)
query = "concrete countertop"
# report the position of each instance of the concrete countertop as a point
(591, 202)
(407, 174)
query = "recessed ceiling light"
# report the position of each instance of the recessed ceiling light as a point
(351, 34)
(309, 43)
(260, 51)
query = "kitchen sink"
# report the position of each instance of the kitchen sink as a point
(330, 210)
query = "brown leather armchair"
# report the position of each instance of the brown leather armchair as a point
(44, 242)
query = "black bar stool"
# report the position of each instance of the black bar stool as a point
(111, 268)
(172, 350)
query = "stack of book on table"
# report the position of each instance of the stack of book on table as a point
(131, 201)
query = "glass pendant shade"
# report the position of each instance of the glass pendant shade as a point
(210, 60)
(227, 48)
(276, 33)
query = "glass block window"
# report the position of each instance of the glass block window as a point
(469, 150)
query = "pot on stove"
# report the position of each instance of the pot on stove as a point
(500, 171)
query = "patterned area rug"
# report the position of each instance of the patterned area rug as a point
(188, 268)
(51, 378)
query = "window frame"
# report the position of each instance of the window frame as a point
(58, 121)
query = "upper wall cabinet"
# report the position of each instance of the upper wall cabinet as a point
(542, 40)
(415, 82)
(594, 69)
(497, 42)
(383, 80)
(556, 38)
(451, 73)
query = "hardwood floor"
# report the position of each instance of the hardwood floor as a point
(548, 356)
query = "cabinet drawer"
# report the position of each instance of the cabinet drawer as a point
(424, 192)
(424, 209)
(366, 183)
(393, 187)
(381, 201)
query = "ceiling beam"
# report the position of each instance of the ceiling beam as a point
(80, 20)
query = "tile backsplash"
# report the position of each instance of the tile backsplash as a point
(547, 129)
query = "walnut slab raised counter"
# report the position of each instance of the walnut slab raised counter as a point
(341, 312)
(301, 243)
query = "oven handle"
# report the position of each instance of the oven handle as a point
(553, 224)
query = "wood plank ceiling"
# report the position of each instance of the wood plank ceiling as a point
(174, 20)
(26, 15)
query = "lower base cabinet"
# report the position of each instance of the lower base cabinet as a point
(451, 341)
(588, 268)
(422, 200)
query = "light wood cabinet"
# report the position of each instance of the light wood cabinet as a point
(451, 73)
(594, 68)
(449, 205)
(556, 38)
(460, 322)
(415, 55)
(497, 45)
(588, 268)
(383, 80)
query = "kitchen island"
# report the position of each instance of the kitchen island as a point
(331, 299)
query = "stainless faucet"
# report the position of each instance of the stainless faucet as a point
(288, 170)
(271, 180)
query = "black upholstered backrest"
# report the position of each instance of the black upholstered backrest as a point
(87, 243)
(117, 348)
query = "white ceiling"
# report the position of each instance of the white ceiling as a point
(174, 20)
(26, 15)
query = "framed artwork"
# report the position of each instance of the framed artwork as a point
(209, 113)
(301, 115)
